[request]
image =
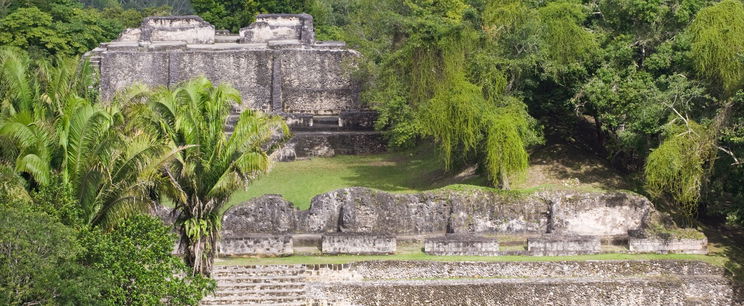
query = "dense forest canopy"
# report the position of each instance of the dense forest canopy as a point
(488, 79)
(655, 87)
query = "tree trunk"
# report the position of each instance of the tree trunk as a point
(200, 253)
(504, 180)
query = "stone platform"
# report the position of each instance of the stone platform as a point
(261, 245)
(670, 245)
(467, 245)
(358, 244)
(275, 63)
(554, 245)
(644, 282)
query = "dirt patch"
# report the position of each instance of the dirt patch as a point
(566, 166)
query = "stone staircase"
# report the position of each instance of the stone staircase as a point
(259, 285)
(232, 120)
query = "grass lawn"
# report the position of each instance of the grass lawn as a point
(556, 166)
(299, 181)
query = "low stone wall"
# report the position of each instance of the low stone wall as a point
(357, 244)
(328, 144)
(461, 245)
(366, 210)
(256, 245)
(671, 245)
(550, 245)
(598, 213)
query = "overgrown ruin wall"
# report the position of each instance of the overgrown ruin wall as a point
(364, 210)
(276, 64)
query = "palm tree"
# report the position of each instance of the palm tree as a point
(54, 134)
(202, 178)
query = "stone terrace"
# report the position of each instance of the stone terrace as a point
(275, 63)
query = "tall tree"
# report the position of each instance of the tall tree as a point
(227, 14)
(203, 176)
(679, 166)
(59, 137)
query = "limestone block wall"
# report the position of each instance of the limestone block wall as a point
(381, 270)
(283, 71)
(600, 212)
(249, 71)
(256, 245)
(637, 282)
(317, 81)
(670, 245)
(433, 212)
(189, 29)
(358, 244)
(121, 69)
(270, 27)
(462, 245)
(550, 245)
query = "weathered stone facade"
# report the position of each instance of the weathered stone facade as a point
(668, 245)
(553, 245)
(467, 245)
(256, 245)
(359, 209)
(275, 63)
(358, 244)
(549, 221)
(634, 282)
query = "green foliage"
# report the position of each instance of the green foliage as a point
(57, 200)
(677, 168)
(227, 14)
(55, 132)
(12, 187)
(282, 6)
(38, 262)
(30, 27)
(211, 166)
(718, 43)
(59, 27)
(427, 87)
(135, 257)
(177, 7)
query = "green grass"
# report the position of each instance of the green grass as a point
(419, 256)
(300, 181)
(552, 167)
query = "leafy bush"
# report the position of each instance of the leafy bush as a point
(38, 262)
(135, 258)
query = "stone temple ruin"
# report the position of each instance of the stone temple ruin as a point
(275, 63)
(279, 68)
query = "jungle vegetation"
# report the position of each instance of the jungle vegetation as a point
(654, 87)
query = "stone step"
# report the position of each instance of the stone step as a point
(263, 267)
(264, 286)
(260, 293)
(305, 302)
(210, 300)
(320, 127)
(254, 280)
(255, 274)
(308, 250)
(221, 39)
(326, 120)
(262, 270)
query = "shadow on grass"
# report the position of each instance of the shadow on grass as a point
(728, 241)
(414, 170)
